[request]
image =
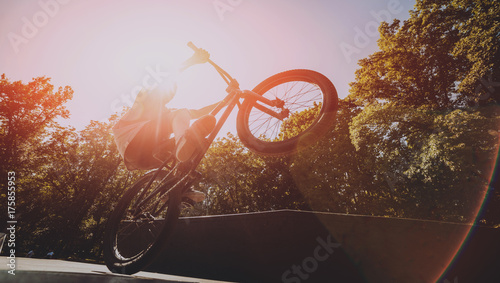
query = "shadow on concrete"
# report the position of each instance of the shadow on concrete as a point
(282, 246)
(295, 246)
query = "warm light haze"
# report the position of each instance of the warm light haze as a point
(106, 51)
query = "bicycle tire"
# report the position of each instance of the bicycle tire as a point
(323, 108)
(116, 260)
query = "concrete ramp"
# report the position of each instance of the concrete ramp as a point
(295, 246)
(30, 270)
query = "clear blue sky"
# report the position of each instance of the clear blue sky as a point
(104, 50)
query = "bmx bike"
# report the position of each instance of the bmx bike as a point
(284, 113)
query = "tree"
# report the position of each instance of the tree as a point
(434, 165)
(237, 180)
(428, 125)
(323, 177)
(66, 181)
(479, 43)
(26, 112)
(328, 173)
(436, 59)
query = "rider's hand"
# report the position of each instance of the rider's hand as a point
(199, 57)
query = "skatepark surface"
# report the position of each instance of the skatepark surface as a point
(31, 270)
(298, 246)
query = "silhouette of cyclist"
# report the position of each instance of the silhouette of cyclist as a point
(144, 134)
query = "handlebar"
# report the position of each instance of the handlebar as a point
(192, 46)
(227, 78)
(196, 49)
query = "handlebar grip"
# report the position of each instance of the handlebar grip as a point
(192, 46)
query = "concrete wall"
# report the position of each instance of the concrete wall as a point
(293, 246)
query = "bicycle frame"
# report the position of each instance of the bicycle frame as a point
(232, 99)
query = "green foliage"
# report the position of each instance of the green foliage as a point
(26, 111)
(429, 122)
(325, 177)
(436, 59)
(66, 180)
(479, 43)
(299, 121)
(237, 180)
(435, 164)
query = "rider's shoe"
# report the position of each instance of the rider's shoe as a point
(194, 137)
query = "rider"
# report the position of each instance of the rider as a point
(143, 134)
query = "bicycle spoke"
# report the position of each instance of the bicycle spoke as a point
(140, 221)
(276, 129)
(125, 236)
(125, 228)
(297, 96)
(257, 130)
(301, 94)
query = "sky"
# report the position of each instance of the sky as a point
(108, 50)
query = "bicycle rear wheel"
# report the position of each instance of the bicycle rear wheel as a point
(311, 101)
(138, 229)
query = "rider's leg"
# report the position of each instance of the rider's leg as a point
(139, 153)
(176, 122)
(180, 123)
(189, 138)
(171, 122)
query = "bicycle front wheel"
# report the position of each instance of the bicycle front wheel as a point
(140, 225)
(309, 98)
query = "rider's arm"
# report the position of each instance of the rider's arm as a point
(199, 57)
(198, 113)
